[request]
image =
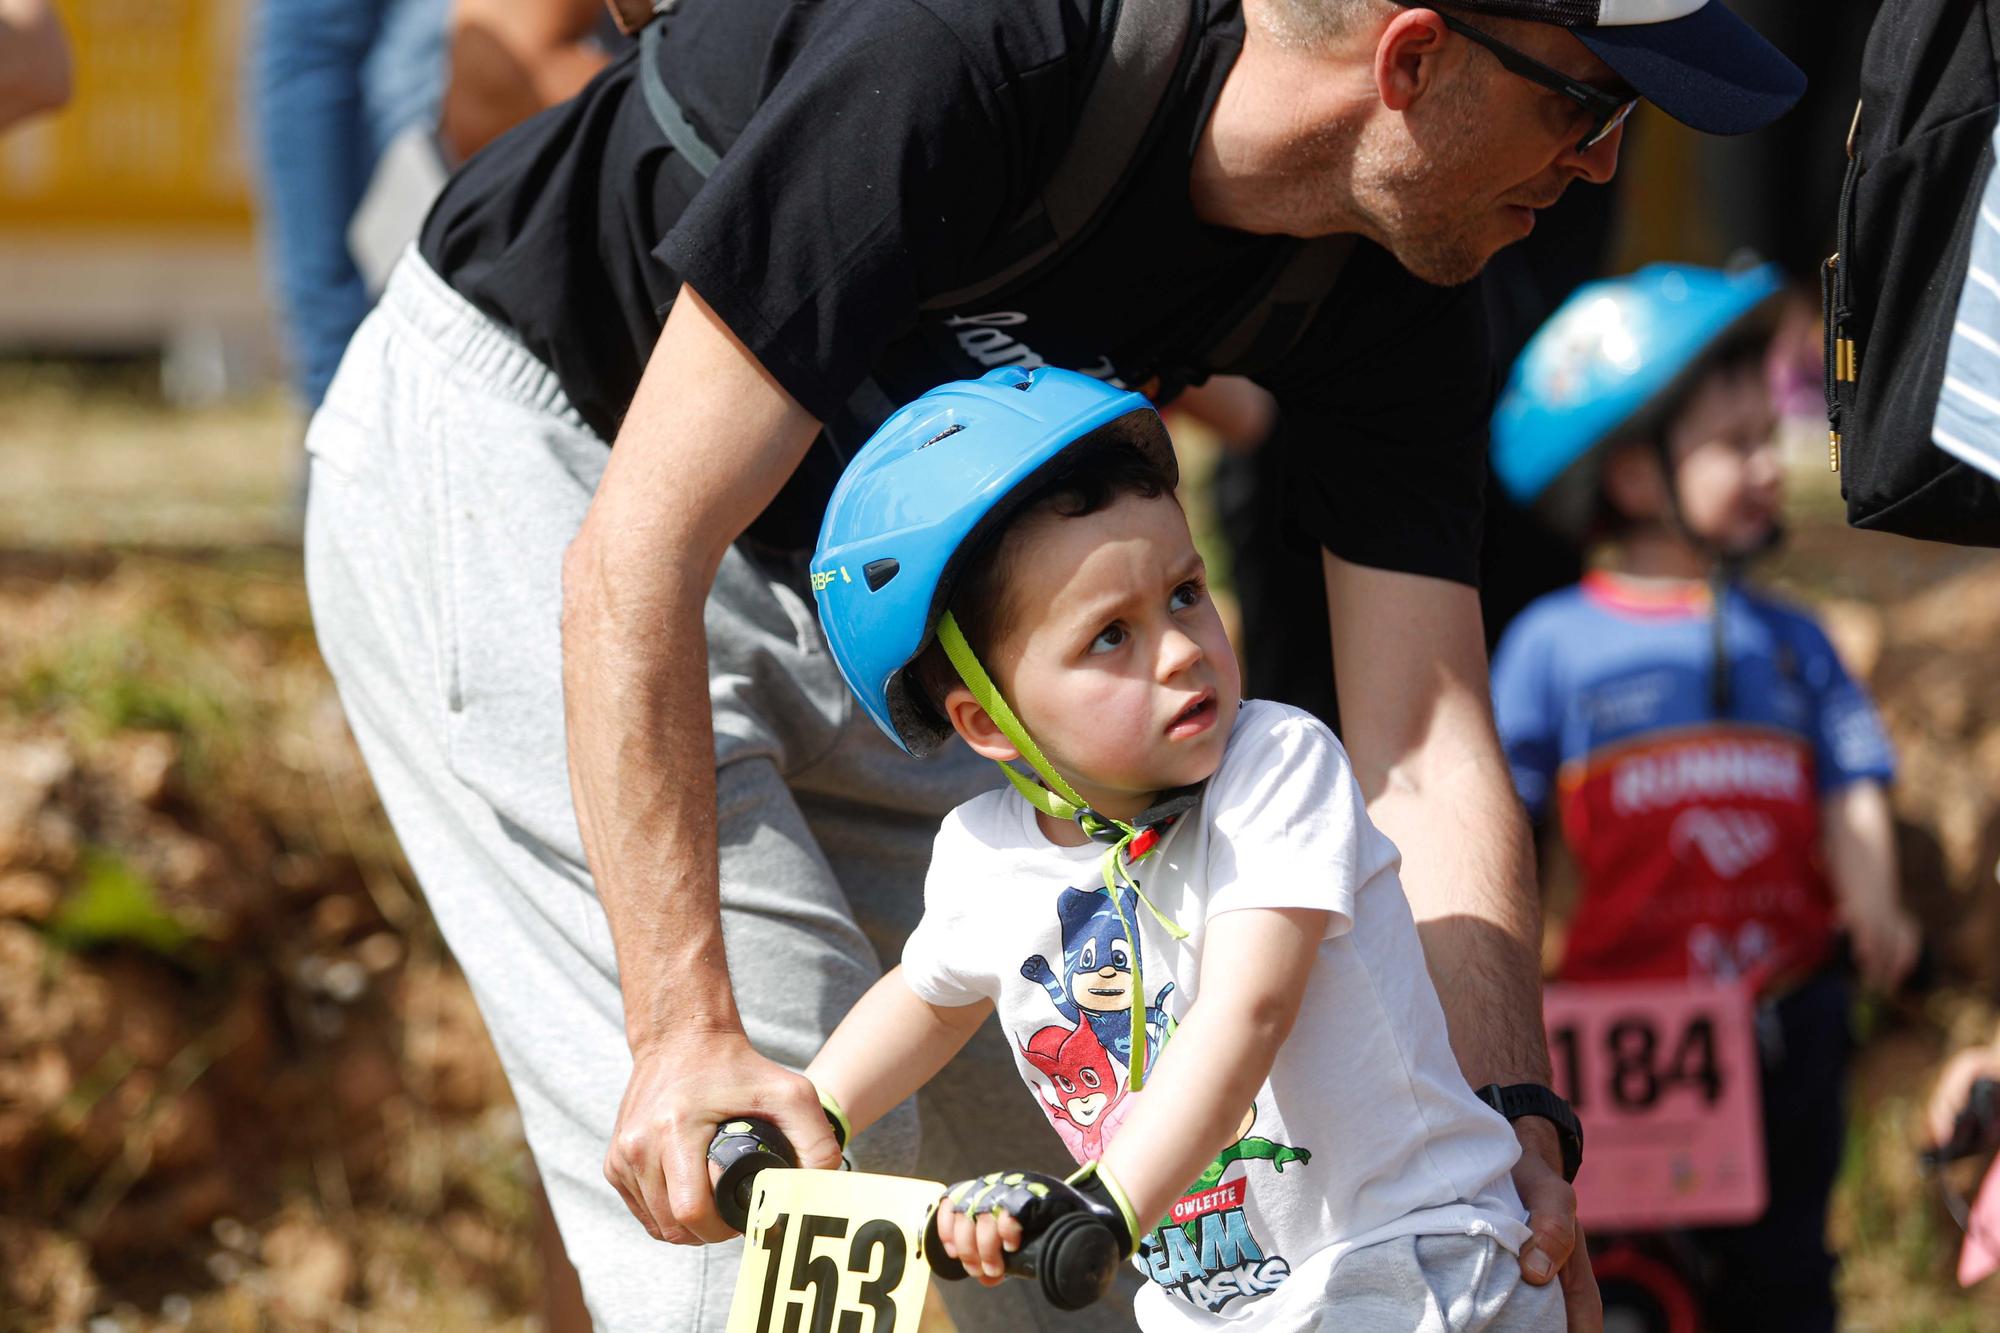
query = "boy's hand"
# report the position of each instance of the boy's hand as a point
(1557, 1246)
(979, 1243)
(1886, 940)
(981, 1221)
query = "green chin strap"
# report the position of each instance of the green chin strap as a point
(1057, 799)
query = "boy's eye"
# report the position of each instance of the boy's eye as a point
(1118, 959)
(1108, 639)
(1090, 1079)
(1088, 962)
(1187, 595)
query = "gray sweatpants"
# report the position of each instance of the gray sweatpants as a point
(448, 475)
(1435, 1284)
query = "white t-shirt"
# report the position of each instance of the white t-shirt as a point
(1365, 1129)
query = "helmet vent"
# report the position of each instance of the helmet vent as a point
(948, 431)
(879, 572)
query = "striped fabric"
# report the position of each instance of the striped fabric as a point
(1968, 413)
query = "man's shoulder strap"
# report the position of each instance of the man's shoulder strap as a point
(1147, 44)
(1143, 51)
(1135, 63)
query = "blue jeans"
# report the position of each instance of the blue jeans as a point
(331, 82)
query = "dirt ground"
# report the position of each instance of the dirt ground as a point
(241, 1084)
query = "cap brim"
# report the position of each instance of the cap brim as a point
(1709, 70)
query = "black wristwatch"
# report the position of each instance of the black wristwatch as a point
(1519, 1099)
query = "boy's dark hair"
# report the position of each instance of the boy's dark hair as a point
(1080, 481)
(1739, 353)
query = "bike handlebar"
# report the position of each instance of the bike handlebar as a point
(1072, 1258)
(742, 1147)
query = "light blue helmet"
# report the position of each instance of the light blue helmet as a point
(935, 478)
(1616, 352)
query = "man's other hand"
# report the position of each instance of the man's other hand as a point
(1557, 1246)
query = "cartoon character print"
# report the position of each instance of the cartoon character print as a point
(1100, 962)
(1204, 1250)
(1246, 1149)
(1084, 1095)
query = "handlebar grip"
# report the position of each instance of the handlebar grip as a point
(1072, 1258)
(1073, 1261)
(742, 1147)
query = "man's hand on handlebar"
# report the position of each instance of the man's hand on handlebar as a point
(679, 1091)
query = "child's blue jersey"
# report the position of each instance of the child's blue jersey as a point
(1697, 836)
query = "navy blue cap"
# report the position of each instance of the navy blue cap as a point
(1708, 69)
(1693, 59)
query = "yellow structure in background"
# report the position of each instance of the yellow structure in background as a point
(152, 135)
(125, 220)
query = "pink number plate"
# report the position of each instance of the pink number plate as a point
(1664, 1076)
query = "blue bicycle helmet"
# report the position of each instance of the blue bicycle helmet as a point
(920, 494)
(1613, 355)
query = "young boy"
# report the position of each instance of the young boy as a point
(1718, 777)
(1192, 935)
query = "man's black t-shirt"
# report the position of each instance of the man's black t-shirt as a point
(876, 151)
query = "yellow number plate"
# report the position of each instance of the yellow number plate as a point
(833, 1252)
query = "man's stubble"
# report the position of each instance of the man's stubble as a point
(1414, 194)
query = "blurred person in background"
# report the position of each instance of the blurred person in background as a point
(34, 61)
(332, 82)
(1718, 778)
(512, 58)
(369, 104)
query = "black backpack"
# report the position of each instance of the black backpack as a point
(1919, 155)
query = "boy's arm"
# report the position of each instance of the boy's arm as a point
(1254, 968)
(1859, 837)
(890, 1044)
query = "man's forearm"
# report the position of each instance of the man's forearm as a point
(642, 775)
(708, 440)
(1417, 720)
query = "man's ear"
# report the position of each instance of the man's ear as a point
(1634, 481)
(1406, 57)
(976, 726)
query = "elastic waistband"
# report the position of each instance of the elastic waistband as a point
(468, 344)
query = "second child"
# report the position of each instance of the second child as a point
(1718, 778)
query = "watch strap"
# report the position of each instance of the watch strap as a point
(1518, 1099)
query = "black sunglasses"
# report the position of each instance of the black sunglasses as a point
(1607, 110)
